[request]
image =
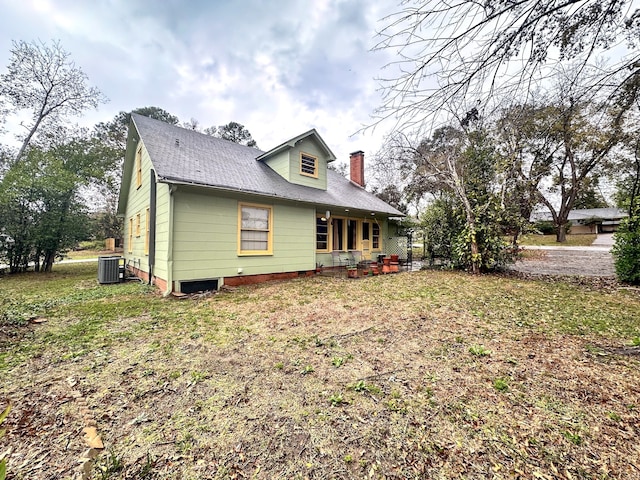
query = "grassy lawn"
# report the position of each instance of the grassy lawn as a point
(427, 374)
(87, 254)
(550, 240)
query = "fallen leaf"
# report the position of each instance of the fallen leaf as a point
(92, 438)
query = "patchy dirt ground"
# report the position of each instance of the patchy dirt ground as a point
(417, 375)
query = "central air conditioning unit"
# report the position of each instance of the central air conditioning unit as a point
(110, 269)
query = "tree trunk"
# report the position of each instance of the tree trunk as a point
(561, 234)
(517, 231)
(458, 186)
(47, 264)
(475, 267)
(27, 140)
(36, 260)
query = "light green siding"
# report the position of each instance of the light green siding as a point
(205, 237)
(281, 164)
(309, 146)
(137, 203)
(162, 231)
(287, 164)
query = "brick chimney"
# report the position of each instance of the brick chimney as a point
(356, 159)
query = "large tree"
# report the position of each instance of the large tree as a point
(557, 151)
(114, 132)
(453, 52)
(234, 132)
(113, 135)
(393, 196)
(43, 81)
(41, 206)
(627, 169)
(459, 163)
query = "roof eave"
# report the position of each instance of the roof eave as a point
(222, 188)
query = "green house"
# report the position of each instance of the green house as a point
(201, 212)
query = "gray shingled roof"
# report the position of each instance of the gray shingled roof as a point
(586, 214)
(184, 156)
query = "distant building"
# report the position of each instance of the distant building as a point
(589, 220)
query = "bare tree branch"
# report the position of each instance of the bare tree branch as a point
(459, 52)
(41, 78)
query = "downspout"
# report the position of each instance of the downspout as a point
(152, 223)
(167, 292)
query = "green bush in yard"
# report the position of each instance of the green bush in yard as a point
(545, 227)
(626, 250)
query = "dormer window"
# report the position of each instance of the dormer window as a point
(308, 165)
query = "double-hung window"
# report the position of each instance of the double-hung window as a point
(322, 234)
(375, 236)
(255, 232)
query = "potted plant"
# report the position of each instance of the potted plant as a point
(374, 268)
(319, 267)
(352, 271)
(386, 265)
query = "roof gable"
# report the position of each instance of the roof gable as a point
(127, 168)
(291, 143)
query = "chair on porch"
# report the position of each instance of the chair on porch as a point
(338, 259)
(354, 257)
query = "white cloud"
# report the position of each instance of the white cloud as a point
(278, 68)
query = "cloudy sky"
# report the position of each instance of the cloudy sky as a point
(279, 67)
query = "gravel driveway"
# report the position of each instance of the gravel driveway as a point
(569, 261)
(593, 261)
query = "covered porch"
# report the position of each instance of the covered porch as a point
(396, 257)
(349, 267)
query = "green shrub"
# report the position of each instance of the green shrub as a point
(91, 245)
(545, 227)
(626, 250)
